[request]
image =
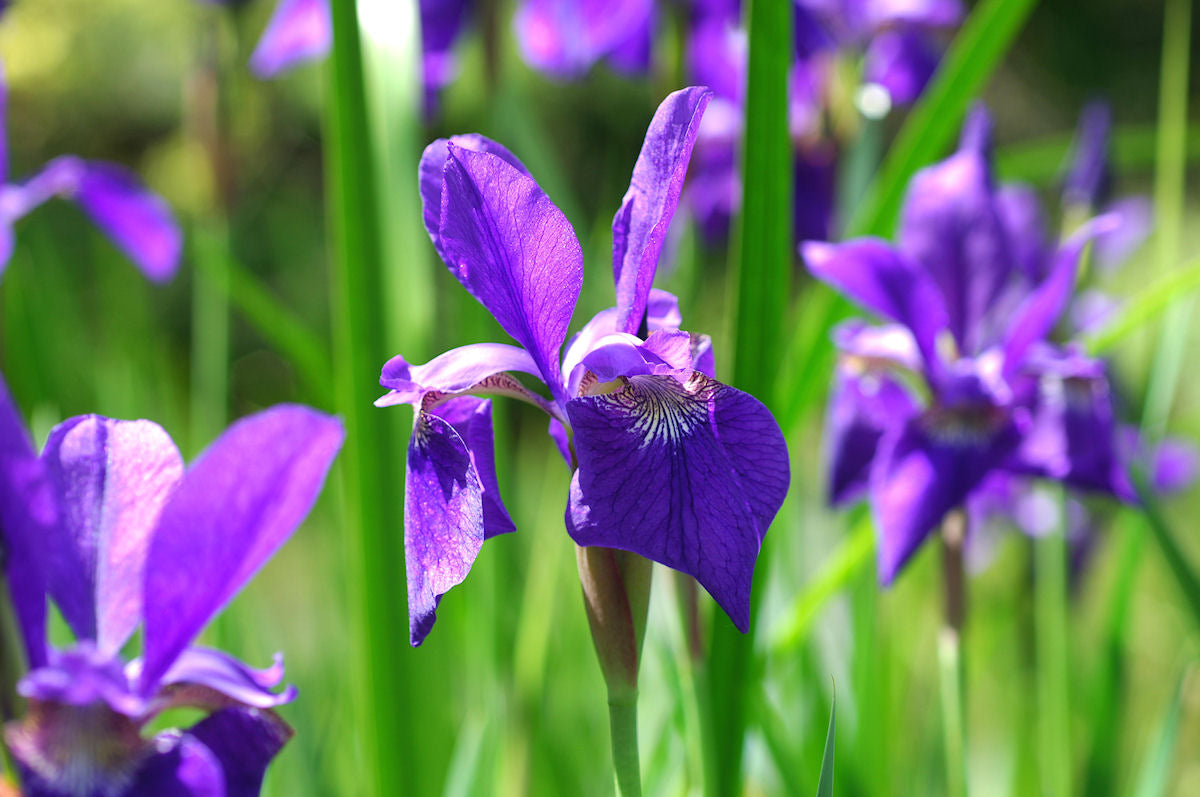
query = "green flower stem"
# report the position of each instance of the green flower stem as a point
(616, 594)
(950, 658)
(1053, 686)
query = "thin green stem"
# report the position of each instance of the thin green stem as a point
(622, 720)
(950, 658)
(1050, 598)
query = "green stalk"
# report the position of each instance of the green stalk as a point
(373, 551)
(1053, 680)
(762, 275)
(950, 658)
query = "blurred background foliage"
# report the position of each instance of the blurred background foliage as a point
(505, 696)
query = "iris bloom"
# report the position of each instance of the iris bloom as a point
(137, 221)
(962, 383)
(893, 40)
(668, 462)
(108, 524)
(565, 38)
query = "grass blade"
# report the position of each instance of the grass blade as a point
(1184, 574)
(1163, 295)
(1156, 770)
(1050, 616)
(762, 275)
(825, 784)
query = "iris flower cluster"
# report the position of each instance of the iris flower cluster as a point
(963, 382)
(668, 462)
(108, 524)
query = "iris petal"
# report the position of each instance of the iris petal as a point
(640, 224)
(861, 409)
(299, 30)
(687, 474)
(208, 678)
(244, 741)
(236, 505)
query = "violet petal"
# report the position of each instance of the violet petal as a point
(298, 31)
(472, 418)
(244, 741)
(862, 407)
(239, 501)
(224, 675)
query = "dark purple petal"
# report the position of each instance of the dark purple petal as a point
(113, 478)
(299, 30)
(137, 221)
(443, 519)
(640, 225)
(181, 766)
(1021, 215)
(28, 517)
(1073, 438)
(476, 368)
(885, 281)
(902, 61)
(1038, 314)
(441, 24)
(1089, 179)
(472, 418)
(562, 441)
(216, 672)
(687, 474)
(514, 251)
(927, 467)
(244, 741)
(951, 226)
(814, 173)
(564, 38)
(431, 177)
(236, 505)
(862, 407)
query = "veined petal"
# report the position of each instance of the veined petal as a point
(950, 225)
(29, 515)
(885, 281)
(138, 221)
(207, 678)
(244, 741)
(640, 224)
(862, 408)
(472, 418)
(1039, 312)
(476, 368)
(236, 505)
(430, 177)
(113, 478)
(687, 474)
(514, 251)
(926, 467)
(443, 519)
(299, 30)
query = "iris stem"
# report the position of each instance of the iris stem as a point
(1050, 598)
(622, 720)
(950, 658)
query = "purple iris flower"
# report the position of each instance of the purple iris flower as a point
(565, 38)
(963, 383)
(108, 524)
(668, 462)
(137, 221)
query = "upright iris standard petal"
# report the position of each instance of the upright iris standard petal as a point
(235, 506)
(950, 225)
(640, 225)
(244, 741)
(689, 474)
(1088, 181)
(885, 281)
(443, 519)
(431, 177)
(29, 514)
(299, 30)
(114, 478)
(139, 222)
(925, 468)
(514, 251)
(1041, 309)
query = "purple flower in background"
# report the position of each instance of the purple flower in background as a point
(442, 22)
(299, 31)
(137, 221)
(109, 524)
(669, 463)
(565, 38)
(963, 382)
